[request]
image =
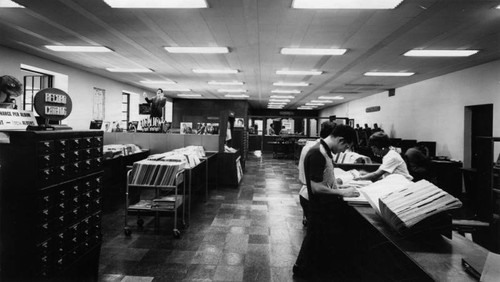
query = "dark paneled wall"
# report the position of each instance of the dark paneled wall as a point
(195, 110)
(283, 113)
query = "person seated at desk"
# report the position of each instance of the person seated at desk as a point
(392, 162)
(324, 253)
(419, 165)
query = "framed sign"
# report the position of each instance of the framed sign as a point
(53, 104)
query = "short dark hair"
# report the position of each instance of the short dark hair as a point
(379, 140)
(344, 131)
(326, 128)
(160, 90)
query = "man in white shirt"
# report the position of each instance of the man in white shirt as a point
(392, 162)
(326, 128)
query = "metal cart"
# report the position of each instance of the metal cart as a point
(153, 210)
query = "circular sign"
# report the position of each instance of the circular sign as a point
(53, 104)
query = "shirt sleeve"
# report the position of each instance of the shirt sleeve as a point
(390, 162)
(315, 166)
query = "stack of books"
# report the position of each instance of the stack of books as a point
(168, 202)
(408, 206)
(155, 173)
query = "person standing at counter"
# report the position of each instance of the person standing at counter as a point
(324, 253)
(392, 162)
(271, 131)
(326, 128)
(157, 103)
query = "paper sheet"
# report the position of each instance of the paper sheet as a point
(491, 270)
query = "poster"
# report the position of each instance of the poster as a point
(98, 104)
(186, 127)
(239, 122)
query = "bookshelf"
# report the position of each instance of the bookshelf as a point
(50, 205)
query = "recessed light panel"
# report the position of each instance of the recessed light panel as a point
(173, 89)
(197, 50)
(215, 71)
(315, 104)
(236, 96)
(376, 73)
(226, 82)
(321, 101)
(9, 4)
(291, 84)
(157, 82)
(331, 97)
(288, 72)
(232, 90)
(82, 49)
(157, 4)
(281, 97)
(313, 51)
(345, 4)
(284, 91)
(278, 103)
(128, 70)
(440, 53)
(279, 100)
(189, 95)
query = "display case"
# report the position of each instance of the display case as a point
(50, 205)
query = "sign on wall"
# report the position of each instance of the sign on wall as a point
(98, 104)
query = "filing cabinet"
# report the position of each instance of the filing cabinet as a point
(50, 205)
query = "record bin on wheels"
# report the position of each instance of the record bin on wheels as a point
(50, 205)
(166, 182)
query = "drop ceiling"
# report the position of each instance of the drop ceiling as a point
(255, 31)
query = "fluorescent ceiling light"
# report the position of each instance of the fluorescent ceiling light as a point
(440, 53)
(197, 50)
(288, 72)
(498, 7)
(376, 73)
(226, 82)
(283, 91)
(278, 103)
(189, 95)
(176, 89)
(222, 71)
(282, 97)
(89, 49)
(313, 51)
(321, 101)
(275, 107)
(279, 100)
(232, 90)
(291, 84)
(315, 104)
(331, 97)
(9, 4)
(305, 108)
(345, 4)
(158, 4)
(128, 70)
(236, 96)
(162, 82)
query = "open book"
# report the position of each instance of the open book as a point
(403, 203)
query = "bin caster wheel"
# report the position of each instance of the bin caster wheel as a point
(140, 223)
(127, 231)
(177, 234)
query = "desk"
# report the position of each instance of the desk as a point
(412, 259)
(282, 149)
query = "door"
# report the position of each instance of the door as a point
(481, 124)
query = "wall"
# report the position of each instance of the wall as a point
(80, 87)
(431, 110)
(196, 110)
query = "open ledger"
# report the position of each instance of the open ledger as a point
(347, 179)
(403, 203)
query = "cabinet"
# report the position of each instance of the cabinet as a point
(487, 192)
(50, 205)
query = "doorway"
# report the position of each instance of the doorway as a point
(478, 122)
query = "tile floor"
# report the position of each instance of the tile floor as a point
(252, 233)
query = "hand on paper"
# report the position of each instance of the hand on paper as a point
(350, 192)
